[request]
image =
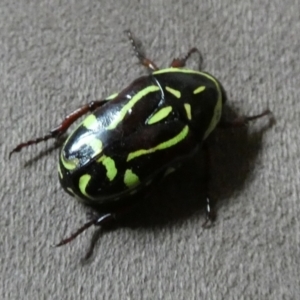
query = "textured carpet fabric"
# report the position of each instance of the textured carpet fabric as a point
(57, 55)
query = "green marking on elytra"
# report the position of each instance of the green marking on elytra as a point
(72, 164)
(111, 97)
(218, 108)
(174, 92)
(188, 110)
(173, 141)
(83, 182)
(131, 179)
(131, 103)
(187, 71)
(199, 89)
(159, 115)
(109, 164)
(69, 164)
(96, 145)
(90, 122)
(59, 171)
(178, 70)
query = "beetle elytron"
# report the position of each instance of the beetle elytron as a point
(139, 134)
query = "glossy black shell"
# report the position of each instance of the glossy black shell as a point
(133, 134)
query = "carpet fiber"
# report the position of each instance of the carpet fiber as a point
(57, 55)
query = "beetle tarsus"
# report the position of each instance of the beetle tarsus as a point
(180, 62)
(75, 234)
(97, 221)
(210, 214)
(92, 245)
(242, 121)
(31, 142)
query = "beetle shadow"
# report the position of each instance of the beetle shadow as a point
(183, 193)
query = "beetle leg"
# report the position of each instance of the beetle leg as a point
(96, 220)
(210, 213)
(210, 204)
(242, 120)
(180, 62)
(143, 60)
(106, 221)
(63, 127)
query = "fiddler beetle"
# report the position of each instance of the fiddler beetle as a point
(137, 135)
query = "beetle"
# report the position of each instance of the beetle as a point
(138, 135)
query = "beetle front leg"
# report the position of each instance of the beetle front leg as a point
(63, 127)
(143, 60)
(180, 62)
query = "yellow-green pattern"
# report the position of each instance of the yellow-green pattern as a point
(181, 70)
(174, 92)
(141, 135)
(199, 90)
(113, 96)
(188, 110)
(96, 145)
(69, 164)
(131, 179)
(167, 144)
(131, 103)
(109, 164)
(160, 115)
(90, 122)
(218, 107)
(83, 182)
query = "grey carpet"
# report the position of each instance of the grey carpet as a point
(56, 55)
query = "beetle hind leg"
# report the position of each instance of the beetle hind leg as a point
(143, 60)
(241, 121)
(210, 203)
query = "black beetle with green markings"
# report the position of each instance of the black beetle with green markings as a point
(138, 135)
